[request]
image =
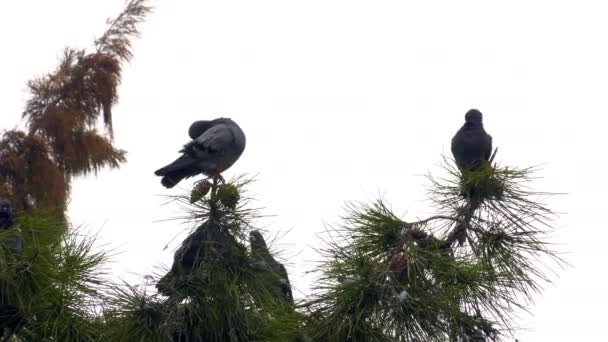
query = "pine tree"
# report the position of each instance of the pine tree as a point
(456, 276)
(216, 290)
(50, 289)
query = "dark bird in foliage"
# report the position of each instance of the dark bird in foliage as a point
(471, 146)
(207, 245)
(263, 259)
(10, 319)
(7, 214)
(189, 256)
(216, 146)
(12, 242)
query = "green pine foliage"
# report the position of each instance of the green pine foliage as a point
(213, 291)
(55, 283)
(456, 276)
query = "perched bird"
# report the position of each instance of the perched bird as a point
(205, 242)
(260, 252)
(471, 146)
(10, 319)
(216, 146)
(13, 242)
(7, 215)
(208, 245)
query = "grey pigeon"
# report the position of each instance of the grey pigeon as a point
(13, 242)
(7, 214)
(207, 244)
(471, 145)
(216, 146)
(260, 252)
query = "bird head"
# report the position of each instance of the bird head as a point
(473, 116)
(256, 238)
(199, 127)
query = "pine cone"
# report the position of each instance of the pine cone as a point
(417, 234)
(398, 263)
(201, 189)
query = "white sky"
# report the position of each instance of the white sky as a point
(342, 100)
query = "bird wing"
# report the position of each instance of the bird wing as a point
(487, 152)
(259, 249)
(214, 140)
(285, 284)
(458, 142)
(282, 271)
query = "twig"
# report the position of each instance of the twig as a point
(493, 155)
(310, 303)
(432, 218)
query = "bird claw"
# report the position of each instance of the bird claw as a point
(217, 178)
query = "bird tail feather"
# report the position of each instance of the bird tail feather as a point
(176, 171)
(177, 165)
(171, 180)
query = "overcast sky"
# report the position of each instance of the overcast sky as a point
(344, 100)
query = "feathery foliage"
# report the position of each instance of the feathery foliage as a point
(51, 290)
(213, 291)
(29, 174)
(55, 283)
(62, 114)
(116, 40)
(457, 276)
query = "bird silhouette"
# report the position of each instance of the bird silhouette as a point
(471, 145)
(216, 146)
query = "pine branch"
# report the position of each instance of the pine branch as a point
(456, 276)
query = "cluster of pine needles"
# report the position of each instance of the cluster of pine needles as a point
(461, 275)
(213, 291)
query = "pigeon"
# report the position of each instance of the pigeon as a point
(204, 243)
(10, 319)
(471, 146)
(216, 145)
(7, 214)
(13, 242)
(260, 252)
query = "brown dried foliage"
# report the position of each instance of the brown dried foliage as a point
(61, 115)
(29, 174)
(116, 40)
(93, 153)
(73, 97)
